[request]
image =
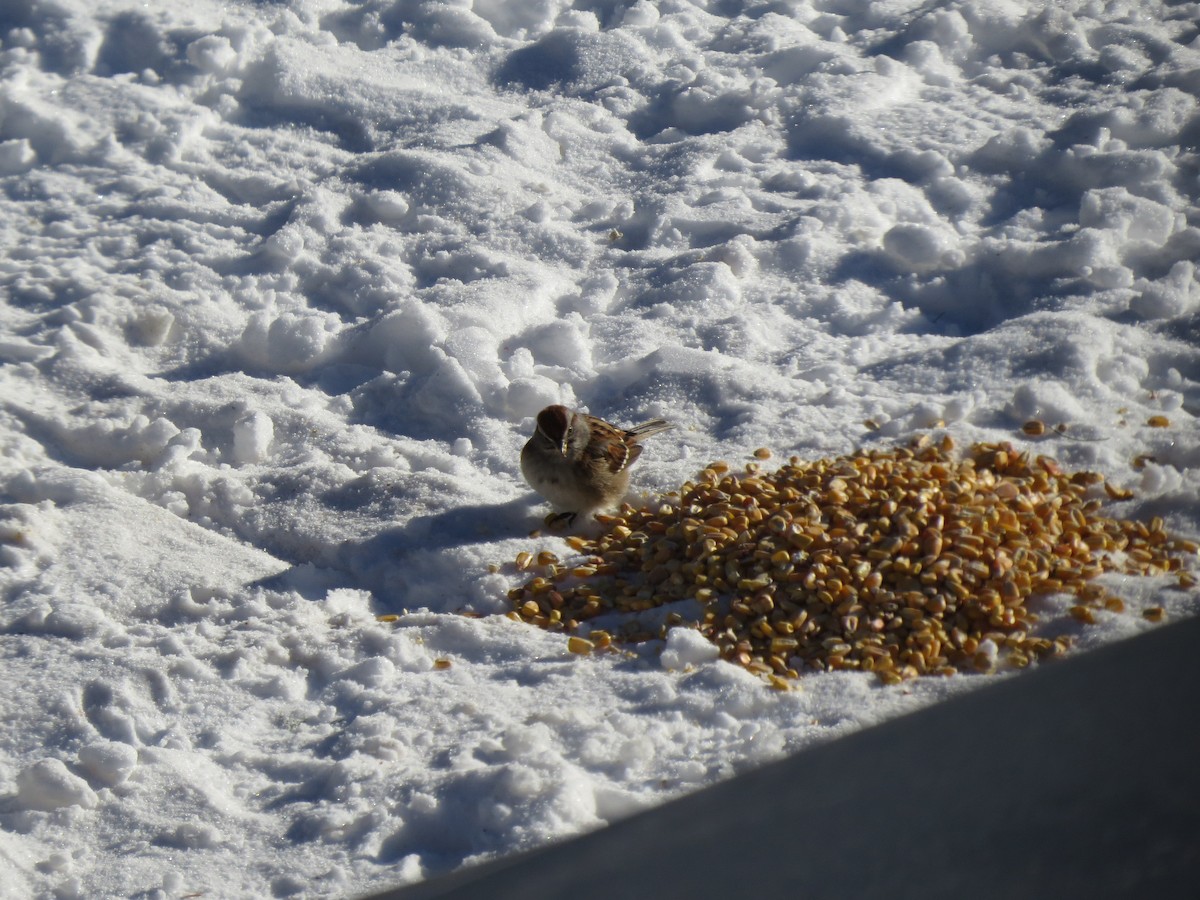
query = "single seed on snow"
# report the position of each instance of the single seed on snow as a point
(579, 645)
(1158, 422)
(1116, 493)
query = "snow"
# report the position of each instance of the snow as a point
(285, 284)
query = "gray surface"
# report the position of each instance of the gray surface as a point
(1080, 779)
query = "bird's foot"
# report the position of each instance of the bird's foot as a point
(563, 520)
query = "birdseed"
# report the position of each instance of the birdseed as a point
(902, 562)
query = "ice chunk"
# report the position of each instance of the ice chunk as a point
(290, 342)
(641, 14)
(108, 762)
(917, 247)
(687, 647)
(1052, 401)
(1132, 217)
(389, 207)
(562, 343)
(526, 395)
(212, 53)
(376, 672)
(528, 18)
(16, 157)
(252, 438)
(153, 326)
(1172, 297)
(48, 784)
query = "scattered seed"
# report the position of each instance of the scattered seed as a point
(1034, 428)
(441, 663)
(1158, 422)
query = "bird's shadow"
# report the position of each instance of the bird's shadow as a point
(457, 527)
(401, 565)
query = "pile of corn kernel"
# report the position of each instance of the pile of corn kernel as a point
(902, 562)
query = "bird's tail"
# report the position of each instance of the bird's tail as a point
(646, 429)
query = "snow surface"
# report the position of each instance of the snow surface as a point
(284, 284)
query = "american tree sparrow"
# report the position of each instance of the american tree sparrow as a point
(580, 463)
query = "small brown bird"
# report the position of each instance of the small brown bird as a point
(581, 463)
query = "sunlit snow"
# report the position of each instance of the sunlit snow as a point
(283, 285)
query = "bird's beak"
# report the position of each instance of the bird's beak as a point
(560, 446)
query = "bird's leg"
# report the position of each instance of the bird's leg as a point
(565, 518)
